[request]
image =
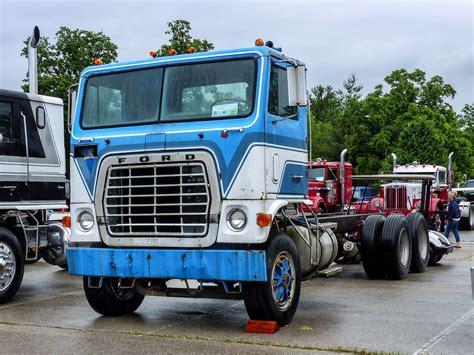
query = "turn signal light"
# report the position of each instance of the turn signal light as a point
(98, 61)
(191, 50)
(171, 51)
(66, 221)
(259, 42)
(264, 219)
(153, 54)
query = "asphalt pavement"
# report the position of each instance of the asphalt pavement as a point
(432, 312)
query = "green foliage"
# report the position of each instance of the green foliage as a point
(181, 39)
(408, 115)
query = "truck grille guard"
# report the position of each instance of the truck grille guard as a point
(163, 197)
(157, 199)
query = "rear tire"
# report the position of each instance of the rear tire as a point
(12, 265)
(110, 300)
(278, 297)
(396, 246)
(372, 257)
(420, 242)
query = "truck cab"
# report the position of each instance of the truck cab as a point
(181, 165)
(325, 188)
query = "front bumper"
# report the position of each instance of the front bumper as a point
(202, 264)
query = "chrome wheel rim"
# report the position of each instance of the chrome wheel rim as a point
(283, 280)
(423, 241)
(7, 266)
(404, 247)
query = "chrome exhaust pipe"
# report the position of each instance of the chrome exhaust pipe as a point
(450, 160)
(33, 61)
(394, 159)
(342, 177)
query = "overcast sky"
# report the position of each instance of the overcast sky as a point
(333, 38)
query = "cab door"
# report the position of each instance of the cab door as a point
(13, 172)
(285, 136)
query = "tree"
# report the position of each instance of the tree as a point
(181, 39)
(61, 63)
(411, 118)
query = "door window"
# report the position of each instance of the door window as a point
(278, 95)
(10, 142)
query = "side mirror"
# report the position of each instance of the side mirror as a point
(1, 138)
(71, 105)
(40, 117)
(297, 86)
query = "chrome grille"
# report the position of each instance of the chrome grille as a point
(396, 197)
(157, 199)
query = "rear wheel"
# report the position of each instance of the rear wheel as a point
(397, 246)
(420, 242)
(372, 257)
(110, 300)
(278, 297)
(12, 265)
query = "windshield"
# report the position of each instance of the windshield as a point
(178, 93)
(317, 174)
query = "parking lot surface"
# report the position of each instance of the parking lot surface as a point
(430, 312)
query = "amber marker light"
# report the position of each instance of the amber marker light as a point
(98, 61)
(259, 42)
(66, 221)
(171, 51)
(153, 54)
(191, 50)
(264, 219)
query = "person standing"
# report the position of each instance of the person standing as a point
(454, 216)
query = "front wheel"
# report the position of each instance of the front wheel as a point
(12, 265)
(111, 300)
(467, 223)
(278, 297)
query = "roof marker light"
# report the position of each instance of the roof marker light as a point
(98, 61)
(171, 51)
(269, 44)
(259, 42)
(153, 54)
(191, 50)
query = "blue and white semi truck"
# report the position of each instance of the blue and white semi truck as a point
(193, 167)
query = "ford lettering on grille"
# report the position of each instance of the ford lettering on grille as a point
(157, 199)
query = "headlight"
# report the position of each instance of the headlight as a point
(236, 219)
(85, 221)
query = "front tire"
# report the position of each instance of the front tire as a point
(278, 297)
(397, 246)
(110, 300)
(12, 265)
(420, 242)
(467, 223)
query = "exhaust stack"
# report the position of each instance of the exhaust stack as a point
(450, 160)
(394, 158)
(342, 177)
(32, 61)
